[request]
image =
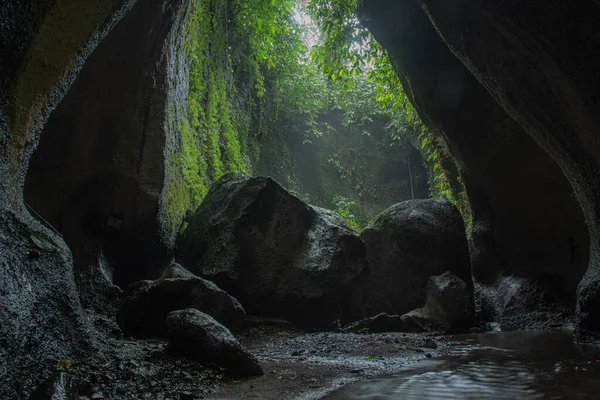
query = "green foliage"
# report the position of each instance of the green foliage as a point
(210, 143)
(442, 182)
(229, 46)
(349, 56)
(65, 363)
(344, 208)
(252, 77)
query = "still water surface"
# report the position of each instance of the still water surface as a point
(498, 365)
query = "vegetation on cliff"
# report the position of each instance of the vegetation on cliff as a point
(267, 78)
(348, 53)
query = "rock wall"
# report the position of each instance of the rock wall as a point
(526, 219)
(96, 177)
(98, 173)
(538, 61)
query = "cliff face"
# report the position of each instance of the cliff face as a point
(95, 129)
(98, 173)
(85, 83)
(512, 89)
(539, 62)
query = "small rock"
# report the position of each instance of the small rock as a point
(377, 324)
(197, 335)
(252, 322)
(430, 344)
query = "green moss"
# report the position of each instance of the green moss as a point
(213, 136)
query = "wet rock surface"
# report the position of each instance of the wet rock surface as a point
(406, 245)
(449, 307)
(128, 369)
(147, 304)
(40, 315)
(197, 335)
(279, 256)
(520, 304)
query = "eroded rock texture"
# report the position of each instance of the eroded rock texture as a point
(406, 245)
(539, 62)
(526, 219)
(449, 306)
(279, 256)
(98, 173)
(56, 281)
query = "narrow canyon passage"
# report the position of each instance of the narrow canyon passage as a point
(289, 199)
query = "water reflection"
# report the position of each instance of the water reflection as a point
(499, 365)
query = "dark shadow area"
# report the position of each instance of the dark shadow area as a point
(526, 219)
(98, 172)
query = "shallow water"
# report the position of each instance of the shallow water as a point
(498, 365)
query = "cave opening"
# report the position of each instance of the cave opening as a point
(100, 178)
(108, 168)
(227, 164)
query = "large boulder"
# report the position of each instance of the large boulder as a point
(449, 307)
(279, 256)
(199, 336)
(406, 245)
(148, 302)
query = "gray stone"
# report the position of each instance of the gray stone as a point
(197, 335)
(406, 245)
(279, 256)
(379, 323)
(148, 302)
(449, 307)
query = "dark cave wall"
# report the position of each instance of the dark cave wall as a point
(98, 172)
(540, 60)
(19, 21)
(43, 68)
(105, 169)
(526, 220)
